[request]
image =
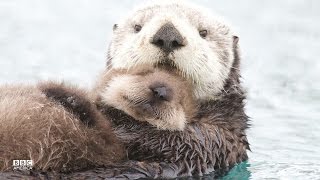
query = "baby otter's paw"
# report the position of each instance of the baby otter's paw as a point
(73, 99)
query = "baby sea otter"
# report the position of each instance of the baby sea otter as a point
(62, 130)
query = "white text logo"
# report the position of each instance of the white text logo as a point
(22, 164)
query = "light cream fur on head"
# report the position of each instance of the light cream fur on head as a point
(131, 92)
(206, 62)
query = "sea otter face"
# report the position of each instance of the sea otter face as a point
(159, 98)
(176, 36)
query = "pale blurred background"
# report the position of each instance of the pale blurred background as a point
(280, 43)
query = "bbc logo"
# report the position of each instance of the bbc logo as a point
(22, 164)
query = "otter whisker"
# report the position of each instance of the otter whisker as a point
(137, 100)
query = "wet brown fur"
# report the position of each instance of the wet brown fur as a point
(54, 134)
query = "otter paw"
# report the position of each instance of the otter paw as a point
(73, 100)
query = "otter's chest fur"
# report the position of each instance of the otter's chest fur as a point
(200, 149)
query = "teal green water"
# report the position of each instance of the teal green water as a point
(240, 172)
(280, 43)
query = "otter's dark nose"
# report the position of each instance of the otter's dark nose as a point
(161, 92)
(168, 38)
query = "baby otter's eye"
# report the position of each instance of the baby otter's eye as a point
(203, 33)
(137, 28)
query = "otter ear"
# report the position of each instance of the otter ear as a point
(115, 26)
(235, 40)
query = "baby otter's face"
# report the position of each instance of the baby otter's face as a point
(174, 35)
(162, 99)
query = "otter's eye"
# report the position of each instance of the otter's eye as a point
(203, 33)
(137, 28)
(115, 26)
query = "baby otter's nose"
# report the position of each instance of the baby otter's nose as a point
(168, 38)
(161, 92)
